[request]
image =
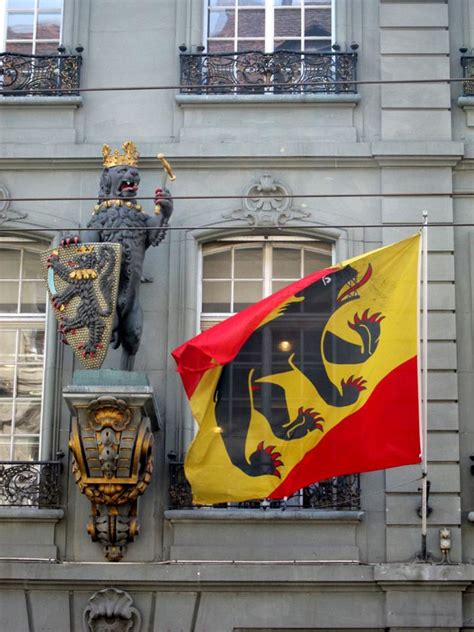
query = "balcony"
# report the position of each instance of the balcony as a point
(279, 73)
(39, 75)
(30, 484)
(341, 493)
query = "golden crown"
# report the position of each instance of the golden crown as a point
(129, 157)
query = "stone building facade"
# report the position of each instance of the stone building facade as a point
(385, 151)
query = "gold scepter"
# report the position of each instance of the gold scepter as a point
(167, 175)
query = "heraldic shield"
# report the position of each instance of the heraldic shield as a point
(82, 283)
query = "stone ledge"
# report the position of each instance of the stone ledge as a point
(467, 104)
(24, 514)
(255, 515)
(346, 99)
(37, 101)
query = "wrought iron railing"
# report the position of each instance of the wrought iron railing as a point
(30, 483)
(467, 63)
(339, 493)
(282, 72)
(42, 75)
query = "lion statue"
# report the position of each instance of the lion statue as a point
(119, 218)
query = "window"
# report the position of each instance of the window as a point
(22, 344)
(237, 274)
(269, 25)
(31, 26)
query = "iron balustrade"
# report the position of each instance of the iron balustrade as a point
(30, 483)
(281, 72)
(42, 75)
(338, 493)
(467, 63)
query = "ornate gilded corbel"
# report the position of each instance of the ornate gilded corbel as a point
(111, 443)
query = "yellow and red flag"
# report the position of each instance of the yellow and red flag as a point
(319, 379)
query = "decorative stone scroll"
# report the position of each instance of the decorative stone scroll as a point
(111, 610)
(267, 202)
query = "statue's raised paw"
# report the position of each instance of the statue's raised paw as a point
(70, 240)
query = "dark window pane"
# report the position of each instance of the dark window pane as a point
(247, 45)
(293, 45)
(217, 265)
(16, 47)
(251, 23)
(317, 46)
(315, 261)
(286, 263)
(27, 417)
(221, 23)
(9, 264)
(7, 345)
(20, 26)
(7, 373)
(47, 48)
(247, 293)
(49, 26)
(5, 417)
(248, 263)
(31, 265)
(318, 22)
(33, 297)
(31, 345)
(288, 22)
(26, 449)
(220, 46)
(8, 296)
(29, 381)
(216, 296)
(5, 446)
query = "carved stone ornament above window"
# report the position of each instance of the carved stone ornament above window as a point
(111, 609)
(267, 202)
(6, 213)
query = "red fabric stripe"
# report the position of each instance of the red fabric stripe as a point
(383, 433)
(221, 343)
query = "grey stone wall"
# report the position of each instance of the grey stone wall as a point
(387, 139)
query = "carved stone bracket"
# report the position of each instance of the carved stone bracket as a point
(6, 213)
(111, 609)
(267, 202)
(111, 442)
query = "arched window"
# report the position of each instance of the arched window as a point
(236, 273)
(22, 344)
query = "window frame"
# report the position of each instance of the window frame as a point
(269, 36)
(297, 242)
(18, 321)
(4, 11)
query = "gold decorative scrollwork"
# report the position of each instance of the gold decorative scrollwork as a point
(112, 448)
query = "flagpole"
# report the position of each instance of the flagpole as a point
(424, 400)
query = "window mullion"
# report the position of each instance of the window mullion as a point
(267, 269)
(232, 278)
(269, 26)
(35, 27)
